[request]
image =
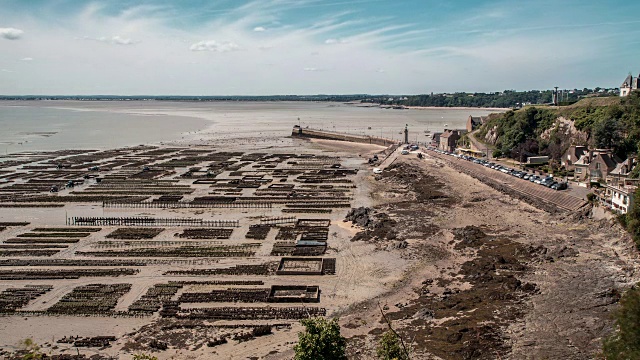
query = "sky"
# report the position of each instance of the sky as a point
(267, 47)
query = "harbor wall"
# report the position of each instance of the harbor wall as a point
(330, 135)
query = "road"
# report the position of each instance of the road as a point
(561, 199)
(477, 145)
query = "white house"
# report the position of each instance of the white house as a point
(620, 197)
(629, 84)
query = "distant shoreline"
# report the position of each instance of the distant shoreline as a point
(355, 104)
(455, 108)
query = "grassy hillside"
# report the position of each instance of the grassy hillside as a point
(610, 122)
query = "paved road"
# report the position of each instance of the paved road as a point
(478, 146)
(560, 199)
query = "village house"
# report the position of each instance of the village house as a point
(629, 84)
(619, 197)
(595, 165)
(435, 139)
(572, 155)
(449, 139)
(618, 175)
(474, 122)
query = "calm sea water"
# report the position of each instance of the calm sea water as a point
(30, 128)
(56, 125)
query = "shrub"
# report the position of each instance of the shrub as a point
(32, 350)
(390, 348)
(321, 340)
(624, 344)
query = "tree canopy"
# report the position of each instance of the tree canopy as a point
(321, 340)
(625, 342)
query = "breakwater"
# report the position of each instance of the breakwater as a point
(330, 135)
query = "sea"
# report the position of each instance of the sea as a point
(59, 125)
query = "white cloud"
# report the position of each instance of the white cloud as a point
(121, 41)
(26, 59)
(259, 29)
(335, 41)
(11, 33)
(314, 69)
(115, 40)
(5, 70)
(212, 45)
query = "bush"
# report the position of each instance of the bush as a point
(633, 218)
(591, 197)
(32, 350)
(496, 153)
(390, 347)
(624, 343)
(321, 340)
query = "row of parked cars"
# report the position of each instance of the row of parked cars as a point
(547, 181)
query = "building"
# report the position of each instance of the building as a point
(474, 122)
(595, 165)
(622, 171)
(618, 193)
(629, 84)
(620, 197)
(435, 139)
(537, 159)
(573, 154)
(449, 139)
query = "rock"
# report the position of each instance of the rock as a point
(424, 314)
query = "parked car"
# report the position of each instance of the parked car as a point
(547, 182)
(559, 186)
(404, 152)
(377, 171)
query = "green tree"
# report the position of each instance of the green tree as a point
(321, 340)
(32, 350)
(633, 219)
(390, 348)
(625, 342)
(606, 133)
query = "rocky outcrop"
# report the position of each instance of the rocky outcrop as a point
(566, 129)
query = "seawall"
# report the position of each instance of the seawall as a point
(329, 135)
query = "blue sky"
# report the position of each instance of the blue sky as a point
(258, 47)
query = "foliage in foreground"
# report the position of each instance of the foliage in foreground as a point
(32, 350)
(625, 342)
(321, 340)
(632, 220)
(390, 347)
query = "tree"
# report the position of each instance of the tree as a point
(606, 133)
(624, 343)
(321, 340)
(389, 347)
(633, 218)
(32, 350)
